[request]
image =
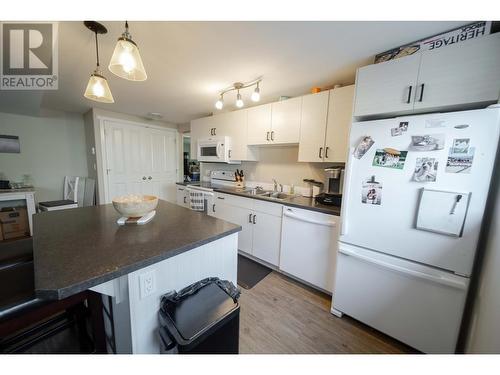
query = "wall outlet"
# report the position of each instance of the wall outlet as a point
(147, 283)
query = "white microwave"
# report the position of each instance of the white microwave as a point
(215, 150)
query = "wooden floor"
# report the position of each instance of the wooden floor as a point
(280, 315)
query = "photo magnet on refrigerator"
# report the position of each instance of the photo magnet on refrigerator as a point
(402, 128)
(425, 170)
(389, 158)
(363, 146)
(371, 192)
(460, 156)
(427, 142)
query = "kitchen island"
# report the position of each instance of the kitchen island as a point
(83, 248)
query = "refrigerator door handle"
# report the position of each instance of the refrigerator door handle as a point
(346, 190)
(448, 281)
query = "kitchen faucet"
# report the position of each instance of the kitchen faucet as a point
(276, 186)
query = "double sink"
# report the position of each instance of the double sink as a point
(268, 194)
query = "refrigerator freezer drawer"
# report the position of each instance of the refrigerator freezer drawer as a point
(418, 305)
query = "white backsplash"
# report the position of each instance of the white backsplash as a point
(276, 162)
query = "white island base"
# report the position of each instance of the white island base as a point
(135, 297)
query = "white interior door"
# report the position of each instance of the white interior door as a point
(160, 163)
(124, 169)
(140, 160)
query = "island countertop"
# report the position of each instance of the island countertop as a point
(77, 249)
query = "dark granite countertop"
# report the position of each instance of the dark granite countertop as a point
(299, 201)
(79, 248)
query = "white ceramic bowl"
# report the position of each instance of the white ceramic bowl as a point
(134, 205)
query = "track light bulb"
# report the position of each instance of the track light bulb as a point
(239, 101)
(219, 104)
(256, 94)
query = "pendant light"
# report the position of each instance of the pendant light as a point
(97, 88)
(126, 61)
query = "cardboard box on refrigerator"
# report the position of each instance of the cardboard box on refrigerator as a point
(14, 223)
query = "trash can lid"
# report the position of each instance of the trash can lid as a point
(197, 313)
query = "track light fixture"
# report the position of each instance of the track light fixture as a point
(237, 86)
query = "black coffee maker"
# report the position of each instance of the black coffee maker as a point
(334, 182)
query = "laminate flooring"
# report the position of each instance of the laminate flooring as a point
(280, 315)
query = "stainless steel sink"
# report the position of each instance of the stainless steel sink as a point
(275, 195)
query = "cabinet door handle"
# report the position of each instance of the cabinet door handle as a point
(421, 93)
(211, 131)
(250, 218)
(267, 136)
(181, 189)
(143, 177)
(321, 152)
(272, 135)
(326, 152)
(213, 207)
(220, 197)
(215, 131)
(254, 216)
(229, 154)
(185, 200)
(409, 95)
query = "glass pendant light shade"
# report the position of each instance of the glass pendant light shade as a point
(98, 89)
(126, 61)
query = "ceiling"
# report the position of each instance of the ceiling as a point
(189, 62)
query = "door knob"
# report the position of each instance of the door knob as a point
(150, 178)
(143, 177)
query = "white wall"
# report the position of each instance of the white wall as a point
(484, 334)
(279, 162)
(52, 147)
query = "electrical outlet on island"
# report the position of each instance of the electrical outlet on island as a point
(147, 283)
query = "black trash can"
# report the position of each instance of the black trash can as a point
(203, 318)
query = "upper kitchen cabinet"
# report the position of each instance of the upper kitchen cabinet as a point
(338, 124)
(313, 127)
(462, 75)
(285, 121)
(201, 128)
(234, 125)
(465, 74)
(259, 124)
(324, 129)
(386, 87)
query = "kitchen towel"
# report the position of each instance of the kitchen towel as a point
(197, 200)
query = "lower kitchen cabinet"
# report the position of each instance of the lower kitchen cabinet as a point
(266, 237)
(182, 196)
(260, 222)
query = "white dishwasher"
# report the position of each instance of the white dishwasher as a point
(309, 246)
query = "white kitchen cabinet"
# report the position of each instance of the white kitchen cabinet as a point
(460, 75)
(234, 125)
(266, 237)
(275, 123)
(259, 124)
(182, 196)
(324, 129)
(338, 124)
(387, 87)
(200, 129)
(313, 127)
(285, 121)
(465, 74)
(260, 222)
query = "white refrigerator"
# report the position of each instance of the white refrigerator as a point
(414, 197)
